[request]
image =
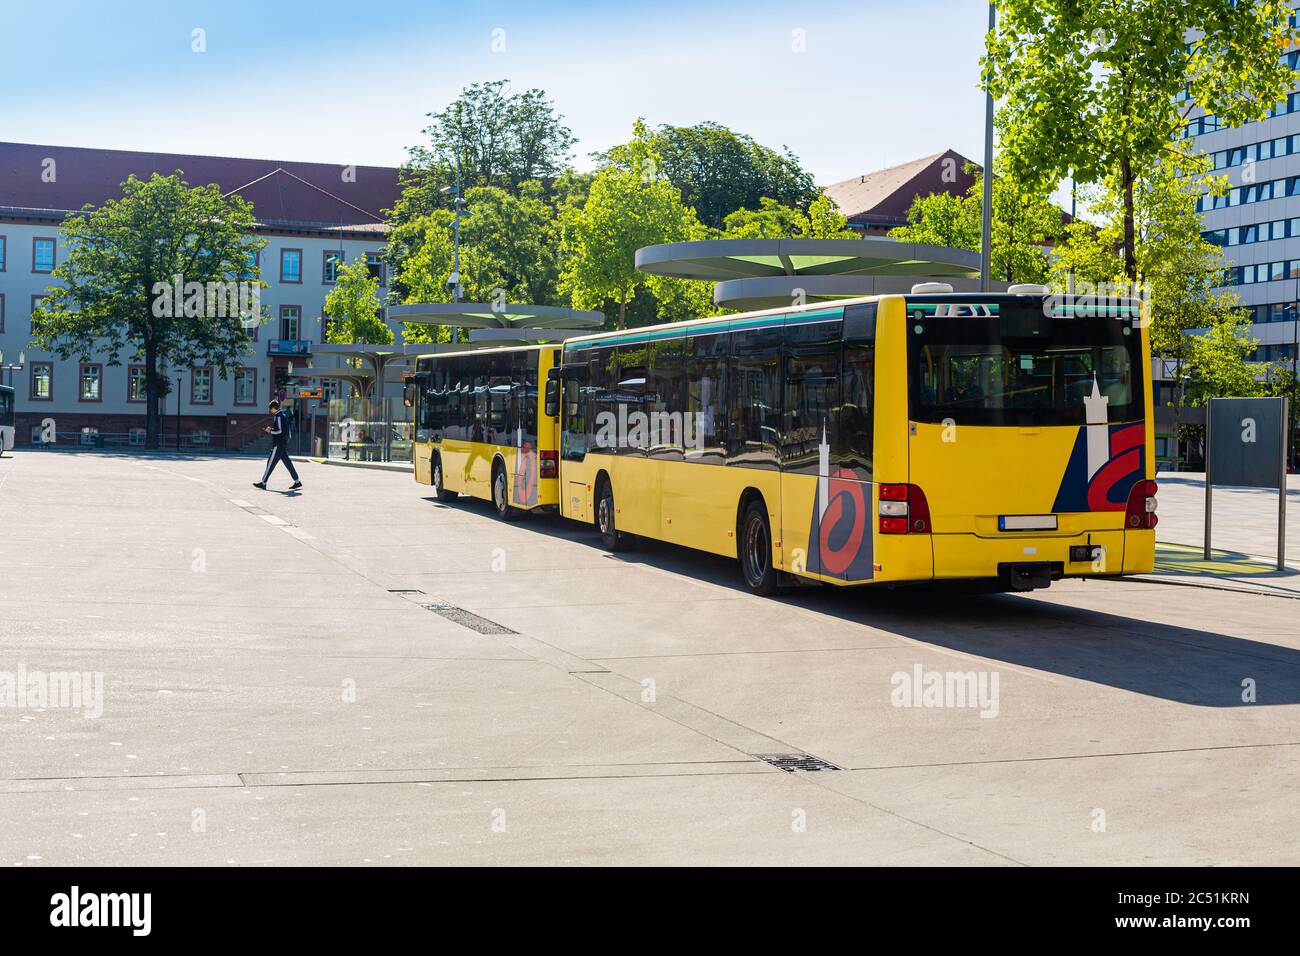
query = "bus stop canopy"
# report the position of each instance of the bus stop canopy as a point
(375, 362)
(529, 322)
(759, 273)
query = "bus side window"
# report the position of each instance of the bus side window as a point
(754, 402)
(706, 382)
(812, 393)
(665, 398)
(852, 446)
(574, 399)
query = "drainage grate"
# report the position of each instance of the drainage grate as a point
(465, 618)
(796, 763)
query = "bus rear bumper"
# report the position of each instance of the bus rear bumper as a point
(1031, 561)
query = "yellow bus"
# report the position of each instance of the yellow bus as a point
(1003, 438)
(478, 428)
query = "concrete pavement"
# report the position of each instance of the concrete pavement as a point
(358, 674)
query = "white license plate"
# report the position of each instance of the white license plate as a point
(1027, 523)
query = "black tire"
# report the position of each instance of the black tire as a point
(435, 478)
(754, 548)
(501, 495)
(610, 536)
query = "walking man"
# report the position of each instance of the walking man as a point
(279, 432)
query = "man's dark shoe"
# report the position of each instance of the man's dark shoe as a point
(295, 486)
(258, 484)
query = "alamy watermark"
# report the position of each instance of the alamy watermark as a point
(240, 299)
(1080, 299)
(946, 689)
(25, 689)
(638, 429)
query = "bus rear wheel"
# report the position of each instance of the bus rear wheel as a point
(439, 490)
(610, 536)
(501, 495)
(755, 551)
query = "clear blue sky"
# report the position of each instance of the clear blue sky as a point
(879, 81)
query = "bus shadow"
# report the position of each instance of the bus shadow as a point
(1185, 665)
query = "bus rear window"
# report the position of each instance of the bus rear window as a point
(1020, 367)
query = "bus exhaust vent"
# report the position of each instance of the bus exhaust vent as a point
(465, 618)
(797, 763)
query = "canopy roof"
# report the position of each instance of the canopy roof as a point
(718, 260)
(485, 315)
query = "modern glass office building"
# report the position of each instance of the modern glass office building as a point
(1258, 220)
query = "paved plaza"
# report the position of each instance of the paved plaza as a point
(359, 675)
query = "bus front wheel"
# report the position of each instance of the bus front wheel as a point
(610, 536)
(756, 551)
(439, 491)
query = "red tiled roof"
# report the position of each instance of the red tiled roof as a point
(884, 196)
(280, 191)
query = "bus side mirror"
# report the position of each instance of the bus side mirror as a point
(553, 392)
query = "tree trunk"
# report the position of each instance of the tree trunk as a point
(1130, 244)
(151, 396)
(1178, 409)
(622, 311)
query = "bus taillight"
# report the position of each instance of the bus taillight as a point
(1141, 510)
(903, 510)
(548, 464)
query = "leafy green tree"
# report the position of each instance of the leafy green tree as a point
(1025, 223)
(499, 138)
(719, 171)
(354, 306)
(1197, 327)
(1091, 90)
(509, 253)
(167, 273)
(631, 204)
(775, 221)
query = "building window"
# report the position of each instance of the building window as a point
(201, 386)
(290, 321)
(42, 381)
(136, 390)
(91, 378)
(200, 436)
(291, 265)
(38, 435)
(375, 264)
(330, 270)
(255, 262)
(43, 254)
(136, 437)
(246, 386)
(4, 253)
(90, 435)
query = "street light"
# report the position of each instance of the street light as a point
(22, 362)
(986, 226)
(178, 413)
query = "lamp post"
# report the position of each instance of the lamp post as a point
(986, 233)
(22, 363)
(1295, 357)
(178, 413)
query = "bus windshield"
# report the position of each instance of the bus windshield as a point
(1018, 366)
